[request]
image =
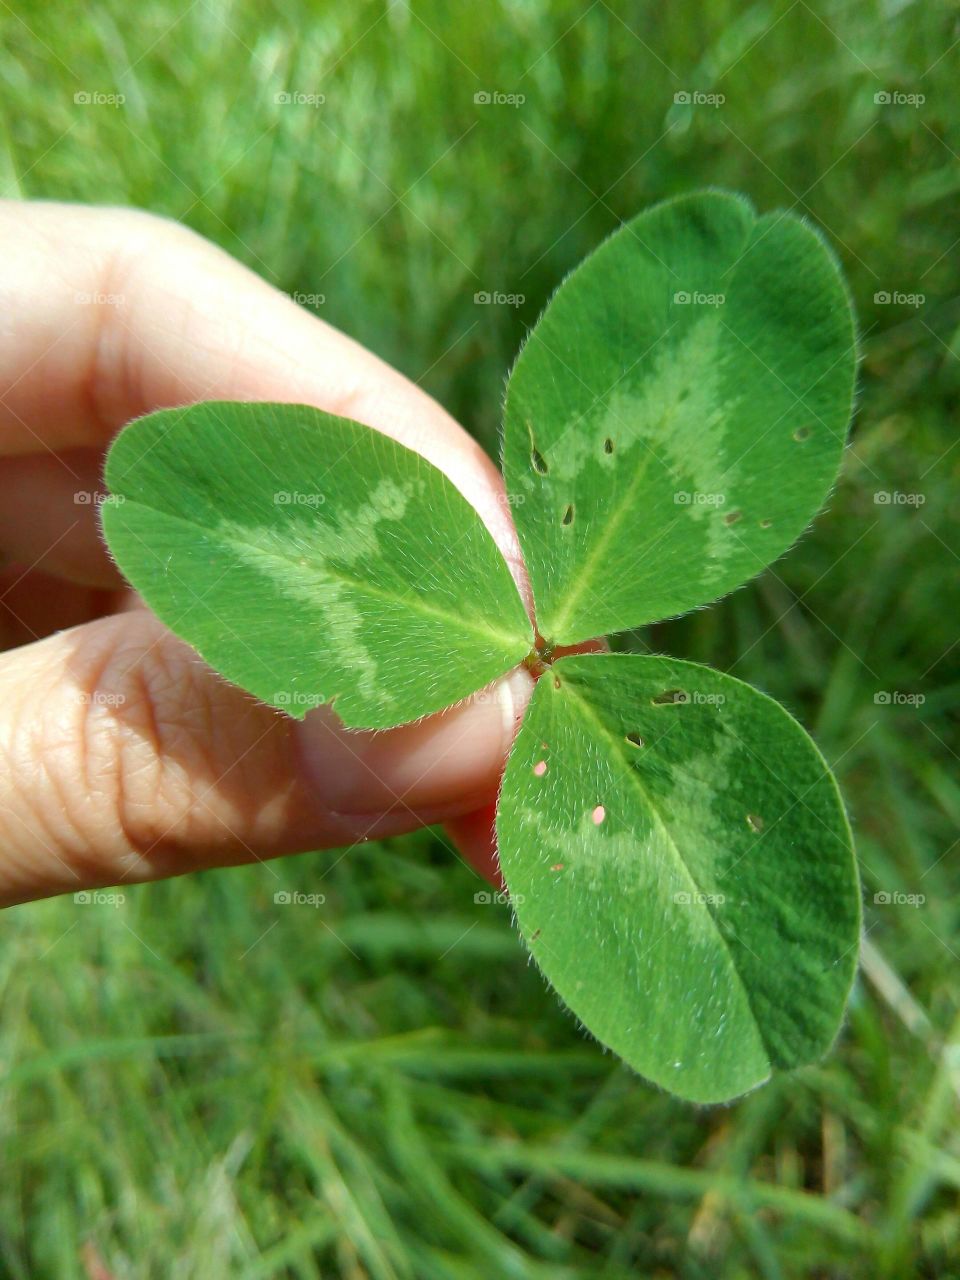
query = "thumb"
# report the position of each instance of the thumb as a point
(128, 759)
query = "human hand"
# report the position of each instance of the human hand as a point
(125, 758)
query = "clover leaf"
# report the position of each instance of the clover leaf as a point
(675, 846)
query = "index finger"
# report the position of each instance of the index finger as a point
(113, 313)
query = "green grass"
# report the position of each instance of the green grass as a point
(201, 1084)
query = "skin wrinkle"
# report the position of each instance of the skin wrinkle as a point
(105, 371)
(155, 735)
(102, 792)
(147, 774)
(83, 754)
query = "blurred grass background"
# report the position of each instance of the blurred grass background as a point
(202, 1084)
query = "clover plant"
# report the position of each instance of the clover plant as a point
(675, 846)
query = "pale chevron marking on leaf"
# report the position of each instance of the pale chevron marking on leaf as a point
(676, 412)
(714, 765)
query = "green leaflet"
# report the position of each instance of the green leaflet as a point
(665, 450)
(682, 870)
(307, 557)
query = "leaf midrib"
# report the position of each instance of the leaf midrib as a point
(590, 713)
(414, 603)
(596, 554)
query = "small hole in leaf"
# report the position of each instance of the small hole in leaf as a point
(766, 524)
(670, 697)
(634, 739)
(556, 682)
(598, 815)
(538, 462)
(567, 517)
(732, 517)
(557, 866)
(755, 822)
(540, 768)
(608, 445)
(801, 434)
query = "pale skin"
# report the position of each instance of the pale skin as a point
(109, 314)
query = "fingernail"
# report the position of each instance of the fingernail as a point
(441, 766)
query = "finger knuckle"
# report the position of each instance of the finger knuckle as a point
(145, 738)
